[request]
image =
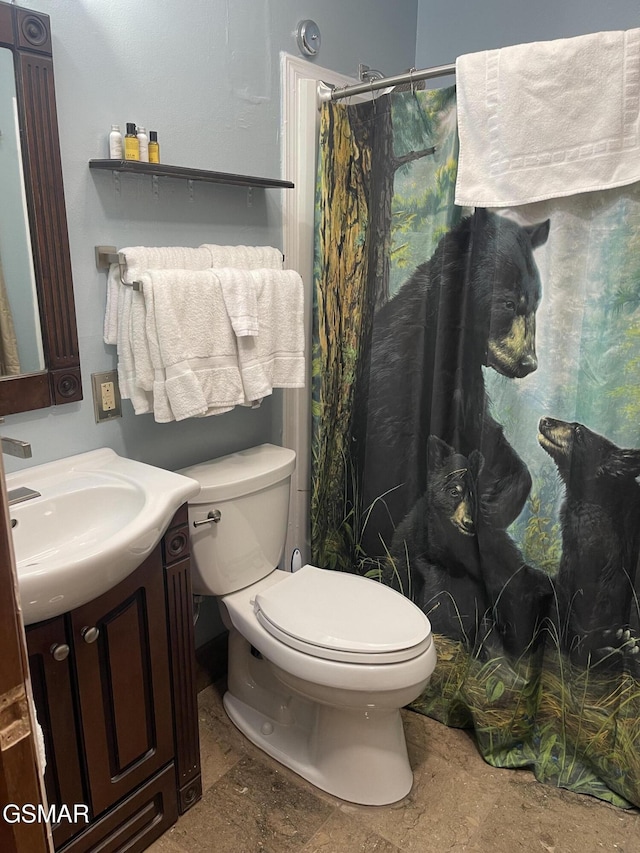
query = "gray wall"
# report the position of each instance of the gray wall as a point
(450, 28)
(205, 75)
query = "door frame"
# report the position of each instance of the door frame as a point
(21, 772)
(300, 121)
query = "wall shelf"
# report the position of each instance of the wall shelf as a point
(161, 170)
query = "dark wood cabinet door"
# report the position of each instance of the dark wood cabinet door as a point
(50, 667)
(121, 657)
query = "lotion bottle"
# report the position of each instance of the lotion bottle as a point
(131, 144)
(154, 147)
(115, 143)
(143, 141)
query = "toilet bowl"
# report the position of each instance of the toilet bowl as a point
(320, 662)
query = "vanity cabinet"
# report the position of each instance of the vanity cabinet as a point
(114, 688)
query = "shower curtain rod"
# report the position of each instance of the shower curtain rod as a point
(334, 93)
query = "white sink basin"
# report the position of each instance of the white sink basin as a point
(99, 515)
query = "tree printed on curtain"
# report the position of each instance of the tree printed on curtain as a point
(475, 425)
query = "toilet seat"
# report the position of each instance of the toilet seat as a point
(342, 617)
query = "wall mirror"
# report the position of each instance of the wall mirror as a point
(39, 359)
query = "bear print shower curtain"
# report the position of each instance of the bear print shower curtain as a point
(476, 414)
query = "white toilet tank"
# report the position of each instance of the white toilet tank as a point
(250, 491)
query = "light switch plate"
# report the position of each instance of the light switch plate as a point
(106, 396)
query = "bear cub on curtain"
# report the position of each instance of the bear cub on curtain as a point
(600, 515)
(434, 555)
(473, 304)
(469, 578)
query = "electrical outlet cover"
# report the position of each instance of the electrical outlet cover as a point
(106, 396)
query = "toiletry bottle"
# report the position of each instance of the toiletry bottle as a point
(115, 143)
(154, 147)
(131, 144)
(143, 140)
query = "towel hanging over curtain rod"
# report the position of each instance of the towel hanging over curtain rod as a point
(334, 93)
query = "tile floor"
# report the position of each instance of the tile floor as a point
(458, 803)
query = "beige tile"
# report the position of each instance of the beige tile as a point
(210, 699)
(443, 811)
(456, 745)
(218, 752)
(630, 827)
(166, 844)
(458, 803)
(252, 808)
(342, 834)
(532, 817)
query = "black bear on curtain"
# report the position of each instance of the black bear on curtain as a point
(596, 579)
(472, 304)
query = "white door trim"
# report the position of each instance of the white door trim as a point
(299, 82)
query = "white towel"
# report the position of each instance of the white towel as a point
(240, 299)
(161, 408)
(143, 368)
(191, 337)
(548, 119)
(139, 259)
(142, 402)
(134, 361)
(110, 333)
(275, 357)
(244, 257)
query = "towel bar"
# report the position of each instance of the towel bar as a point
(107, 255)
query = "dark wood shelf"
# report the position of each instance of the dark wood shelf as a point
(135, 167)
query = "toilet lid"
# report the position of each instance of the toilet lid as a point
(344, 617)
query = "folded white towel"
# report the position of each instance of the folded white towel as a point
(125, 315)
(110, 333)
(143, 368)
(161, 408)
(192, 341)
(142, 401)
(240, 299)
(548, 119)
(244, 257)
(139, 259)
(275, 357)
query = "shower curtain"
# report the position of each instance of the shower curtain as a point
(475, 422)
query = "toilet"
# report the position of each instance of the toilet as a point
(320, 662)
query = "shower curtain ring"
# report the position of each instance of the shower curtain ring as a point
(373, 96)
(411, 70)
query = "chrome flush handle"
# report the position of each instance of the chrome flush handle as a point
(214, 516)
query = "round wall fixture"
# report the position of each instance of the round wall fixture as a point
(308, 37)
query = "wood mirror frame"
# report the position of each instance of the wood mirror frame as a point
(28, 35)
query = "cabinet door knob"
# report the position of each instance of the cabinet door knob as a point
(59, 651)
(90, 635)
